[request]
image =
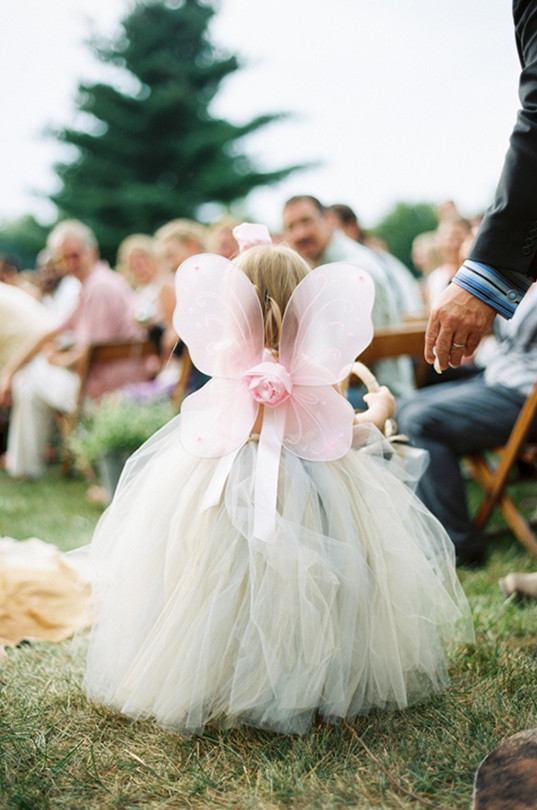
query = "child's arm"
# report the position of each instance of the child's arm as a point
(381, 406)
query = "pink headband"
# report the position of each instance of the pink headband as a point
(250, 234)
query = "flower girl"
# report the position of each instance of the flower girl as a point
(265, 560)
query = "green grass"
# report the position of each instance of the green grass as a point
(53, 508)
(57, 751)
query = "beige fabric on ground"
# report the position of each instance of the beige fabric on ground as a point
(43, 597)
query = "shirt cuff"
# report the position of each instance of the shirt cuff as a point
(502, 290)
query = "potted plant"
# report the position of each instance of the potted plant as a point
(114, 429)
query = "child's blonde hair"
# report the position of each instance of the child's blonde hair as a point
(275, 271)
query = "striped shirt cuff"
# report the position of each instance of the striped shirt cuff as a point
(501, 290)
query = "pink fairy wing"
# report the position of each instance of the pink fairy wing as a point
(318, 424)
(218, 316)
(217, 418)
(327, 324)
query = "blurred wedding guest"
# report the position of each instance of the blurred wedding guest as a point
(447, 210)
(405, 285)
(139, 261)
(44, 378)
(342, 216)
(10, 273)
(424, 253)
(450, 235)
(178, 240)
(59, 290)
(457, 418)
(220, 239)
(9, 268)
(23, 321)
(308, 230)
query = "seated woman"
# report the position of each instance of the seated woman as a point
(138, 262)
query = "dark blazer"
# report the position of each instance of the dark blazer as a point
(507, 237)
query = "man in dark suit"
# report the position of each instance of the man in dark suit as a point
(502, 262)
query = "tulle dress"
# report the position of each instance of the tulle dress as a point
(341, 599)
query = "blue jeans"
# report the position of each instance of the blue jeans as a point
(451, 420)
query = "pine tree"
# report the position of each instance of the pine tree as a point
(157, 153)
(23, 238)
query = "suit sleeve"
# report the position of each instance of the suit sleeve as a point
(507, 238)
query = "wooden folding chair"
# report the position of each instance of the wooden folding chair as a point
(498, 469)
(407, 338)
(97, 354)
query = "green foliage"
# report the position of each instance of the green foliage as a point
(155, 152)
(402, 224)
(118, 424)
(23, 238)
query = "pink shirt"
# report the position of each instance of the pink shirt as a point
(104, 313)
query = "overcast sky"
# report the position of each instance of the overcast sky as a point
(396, 99)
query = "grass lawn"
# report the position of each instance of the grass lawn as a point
(57, 751)
(54, 509)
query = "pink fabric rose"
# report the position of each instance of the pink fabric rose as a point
(269, 383)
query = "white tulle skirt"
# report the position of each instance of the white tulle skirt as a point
(198, 623)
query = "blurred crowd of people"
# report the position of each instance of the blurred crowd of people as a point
(50, 314)
(64, 308)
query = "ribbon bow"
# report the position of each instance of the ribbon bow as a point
(326, 324)
(249, 234)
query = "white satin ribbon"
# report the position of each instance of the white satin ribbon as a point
(218, 480)
(266, 476)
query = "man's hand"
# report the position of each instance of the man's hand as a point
(456, 325)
